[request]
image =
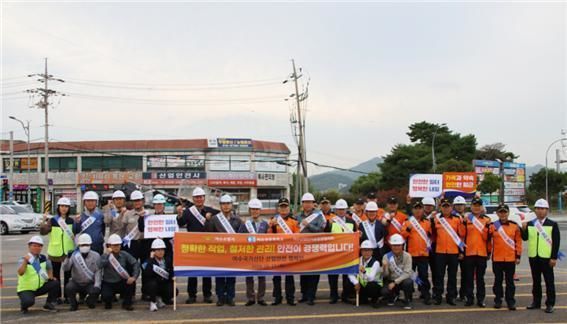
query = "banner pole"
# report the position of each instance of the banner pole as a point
(174, 293)
(357, 299)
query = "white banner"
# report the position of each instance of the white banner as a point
(425, 185)
(162, 226)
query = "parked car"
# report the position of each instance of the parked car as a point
(17, 203)
(24, 211)
(11, 221)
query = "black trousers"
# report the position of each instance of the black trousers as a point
(421, 266)
(504, 270)
(540, 266)
(140, 250)
(289, 288)
(406, 286)
(334, 287)
(109, 289)
(372, 290)
(432, 257)
(462, 292)
(51, 288)
(57, 275)
(309, 285)
(72, 288)
(448, 263)
(193, 282)
(475, 265)
(163, 289)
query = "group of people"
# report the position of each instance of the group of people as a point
(397, 252)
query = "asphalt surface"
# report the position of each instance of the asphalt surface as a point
(14, 246)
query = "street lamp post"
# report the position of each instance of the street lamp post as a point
(546, 171)
(27, 131)
(433, 160)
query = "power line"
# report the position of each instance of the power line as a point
(187, 85)
(150, 87)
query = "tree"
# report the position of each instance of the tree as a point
(489, 184)
(495, 151)
(556, 183)
(366, 184)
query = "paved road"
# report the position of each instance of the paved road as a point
(13, 246)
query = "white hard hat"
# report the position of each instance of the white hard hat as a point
(307, 197)
(136, 195)
(158, 244)
(118, 194)
(341, 204)
(225, 199)
(158, 199)
(367, 245)
(396, 239)
(541, 203)
(198, 192)
(371, 206)
(84, 239)
(36, 239)
(63, 201)
(90, 195)
(114, 239)
(428, 201)
(459, 201)
(255, 204)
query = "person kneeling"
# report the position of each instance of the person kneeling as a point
(86, 276)
(120, 271)
(158, 272)
(397, 272)
(368, 281)
(35, 277)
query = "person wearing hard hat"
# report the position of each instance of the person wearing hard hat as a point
(311, 221)
(397, 272)
(340, 223)
(373, 230)
(255, 225)
(505, 245)
(61, 230)
(120, 271)
(393, 219)
(158, 271)
(368, 281)
(91, 221)
(476, 252)
(417, 233)
(193, 217)
(448, 233)
(114, 212)
(459, 207)
(543, 239)
(86, 275)
(224, 222)
(283, 223)
(35, 277)
(428, 206)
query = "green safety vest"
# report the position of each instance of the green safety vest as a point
(59, 243)
(537, 246)
(31, 280)
(336, 228)
(368, 268)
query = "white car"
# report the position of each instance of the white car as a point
(11, 221)
(25, 211)
(517, 214)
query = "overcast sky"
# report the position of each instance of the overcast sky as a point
(214, 70)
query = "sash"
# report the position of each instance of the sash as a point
(370, 233)
(225, 223)
(113, 213)
(394, 265)
(117, 267)
(37, 267)
(451, 232)
(88, 222)
(161, 272)
(250, 227)
(195, 212)
(477, 223)
(356, 219)
(342, 224)
(65, 228)
(417, 226)
(82, 265)
(127, 240)
(360, 276)
(283, 224)
(510, 242)
(310, 219)
(394, 221)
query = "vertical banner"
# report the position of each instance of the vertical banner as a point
(230, 255)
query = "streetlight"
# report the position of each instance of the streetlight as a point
(27, 130)
(546, 171)
(433, 146)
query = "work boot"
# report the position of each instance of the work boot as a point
(534, 306)
(549, 309)
(49, 307)
(191, 300)
(276, 302)
(291, 302)
(207, 300)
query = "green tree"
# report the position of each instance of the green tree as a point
(556, 183)
(489, 184)
(495, 151)
(366, 184)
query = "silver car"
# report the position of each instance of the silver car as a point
(11, 221)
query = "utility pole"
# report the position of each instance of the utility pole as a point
(301, 122)
(45, 93)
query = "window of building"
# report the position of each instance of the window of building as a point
(60, 164)
(270, 164)
(112, 163)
